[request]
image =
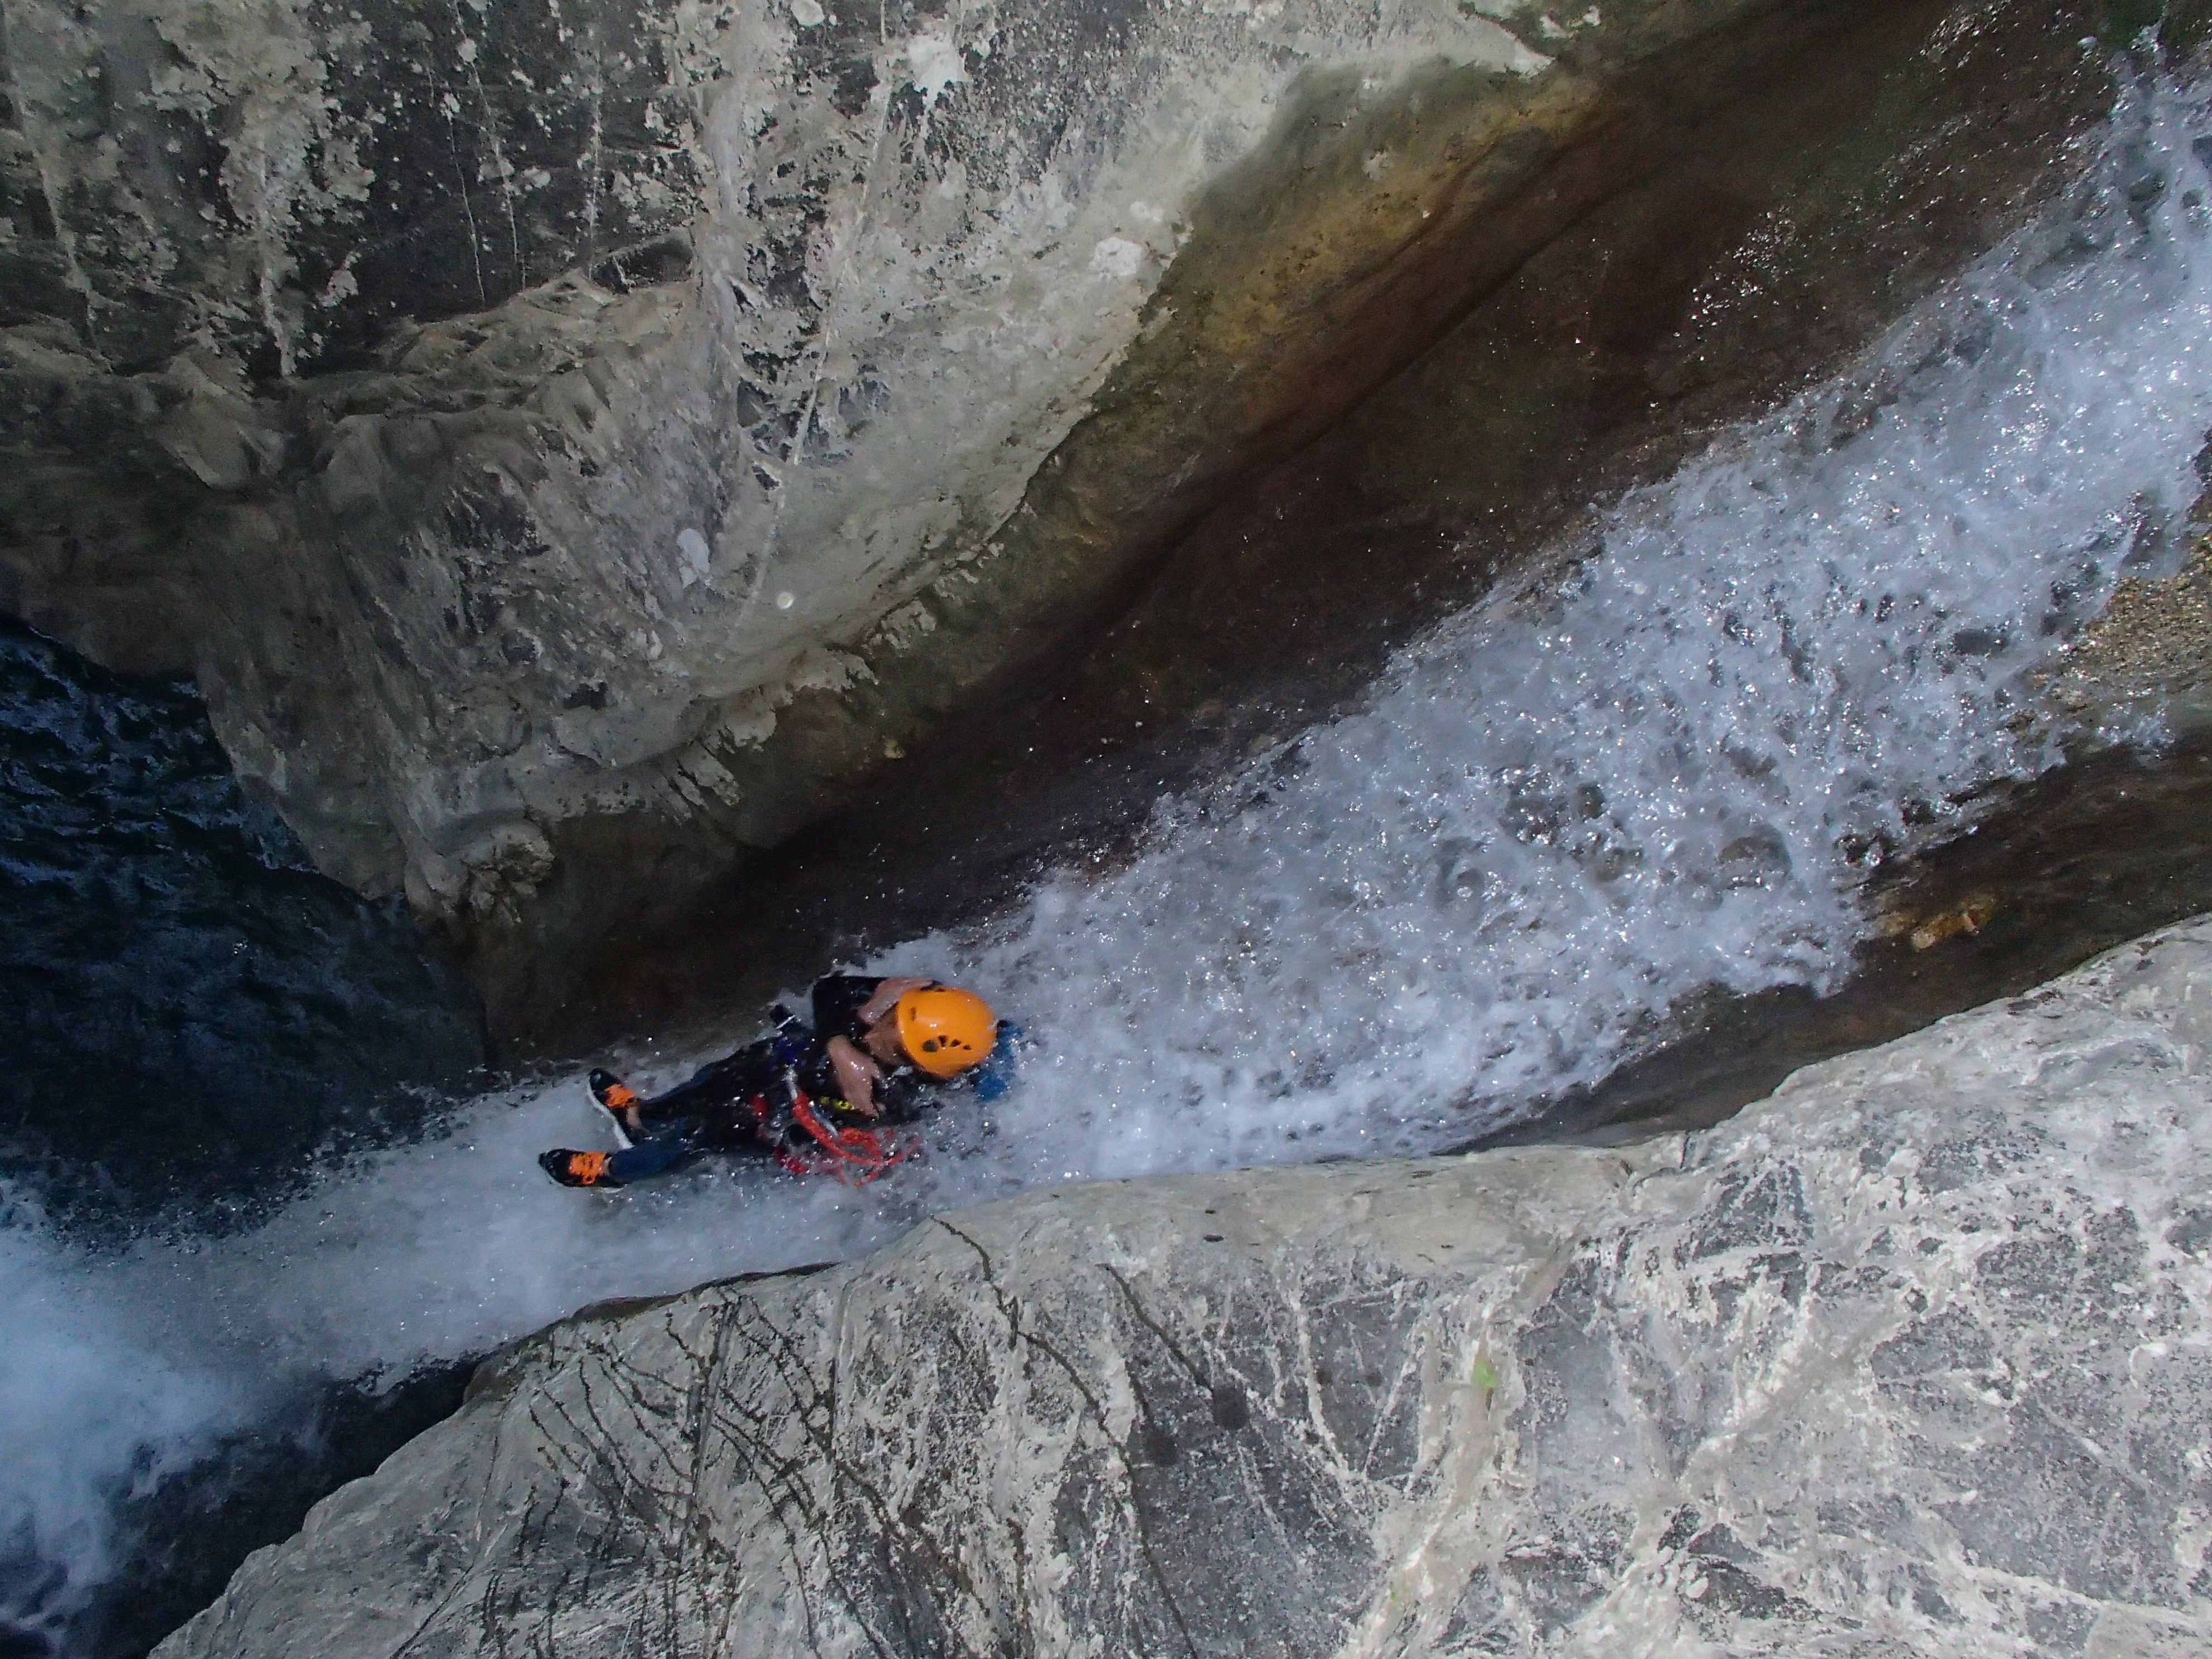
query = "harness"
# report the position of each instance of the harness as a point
(855, 1156)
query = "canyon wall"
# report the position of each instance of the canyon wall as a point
(571, 447)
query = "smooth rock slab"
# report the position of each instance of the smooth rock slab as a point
(1911, 1357)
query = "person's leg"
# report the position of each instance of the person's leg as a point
(713, 1088)
(711, 1113)
(646, 1158)
(651, 1155)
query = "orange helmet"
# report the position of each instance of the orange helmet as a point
(944, 1030)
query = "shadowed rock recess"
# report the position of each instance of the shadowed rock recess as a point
(1909, 1359)
(573, 445)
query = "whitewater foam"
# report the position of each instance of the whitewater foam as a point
(1567, 810)
(97, 1413)
(1555, 817)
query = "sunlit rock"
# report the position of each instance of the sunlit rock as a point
(1908, 1357)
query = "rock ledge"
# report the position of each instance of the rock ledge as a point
(1911, 1357)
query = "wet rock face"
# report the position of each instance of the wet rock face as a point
(1910, 1357)
(2149, 657)
(574, 445)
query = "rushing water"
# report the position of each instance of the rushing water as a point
(1556, 816)
(191, 1011)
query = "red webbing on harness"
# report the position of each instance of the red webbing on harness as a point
(855, 1156)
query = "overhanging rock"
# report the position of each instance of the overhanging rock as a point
(598, 435)
(1912, 1357)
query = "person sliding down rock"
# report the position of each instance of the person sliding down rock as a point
(818, 1100)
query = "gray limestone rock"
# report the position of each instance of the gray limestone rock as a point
(613, 428)
(1911, 1357)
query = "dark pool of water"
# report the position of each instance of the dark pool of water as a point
(194, 1018)
(194, 1013)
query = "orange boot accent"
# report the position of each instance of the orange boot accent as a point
(573, 1168)
(611, 1092)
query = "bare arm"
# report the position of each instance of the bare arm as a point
(857, 1076)
(886, 993)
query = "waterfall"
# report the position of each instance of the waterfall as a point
(1554, 817)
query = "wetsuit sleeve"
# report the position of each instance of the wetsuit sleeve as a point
(838, 1000)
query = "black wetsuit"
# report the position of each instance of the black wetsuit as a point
(742, 1104)
(903, 1092)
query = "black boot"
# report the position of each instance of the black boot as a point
(576, 1168)
(615, 1098)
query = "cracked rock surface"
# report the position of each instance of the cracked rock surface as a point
(572, 389)
(1911, 1357)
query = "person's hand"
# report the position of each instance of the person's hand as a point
(857, 1077)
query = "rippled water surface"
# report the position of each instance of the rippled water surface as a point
(1557, 817)
(192, 1013)
(191, 1007)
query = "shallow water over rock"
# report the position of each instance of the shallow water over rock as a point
(2050, 871)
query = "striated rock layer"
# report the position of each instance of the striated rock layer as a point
(572, 444)
(1913, 1356)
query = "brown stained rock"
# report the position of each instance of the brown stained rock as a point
(2151, 651)
(726, 397)
(1909, 1357)
(1925, 930)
